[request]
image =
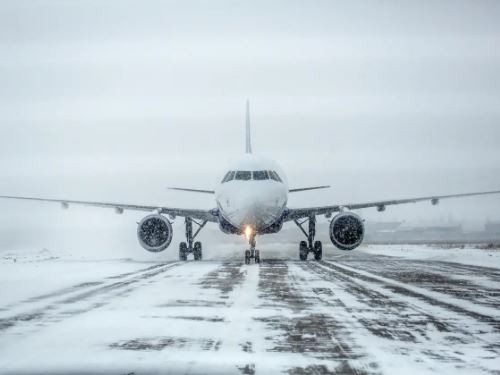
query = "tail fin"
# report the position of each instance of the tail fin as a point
(248, 139)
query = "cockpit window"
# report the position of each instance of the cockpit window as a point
(243, 175)
(248, 175)
(274, 176)
(229, 176)
(260, 175)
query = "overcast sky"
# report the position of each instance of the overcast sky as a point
(114, 100)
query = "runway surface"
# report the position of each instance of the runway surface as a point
(350, 314)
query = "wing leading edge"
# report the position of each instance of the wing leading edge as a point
(120, 207)
(297, 213)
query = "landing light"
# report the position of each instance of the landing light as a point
(248, 231)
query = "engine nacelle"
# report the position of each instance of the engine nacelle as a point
(347, 231)
(154, 233)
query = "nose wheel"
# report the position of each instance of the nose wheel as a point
(252, 253)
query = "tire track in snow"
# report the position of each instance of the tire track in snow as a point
(57, 309)
(410, 327)
(300, 325)
(470, 283)
(73, 289)
(481, 313)
(241, 335)
(225, 330)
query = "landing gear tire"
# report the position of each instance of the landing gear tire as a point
(303, 250)
(197, 251)
(247, 256)
(257, 256)
(318, 250)
(183, 250)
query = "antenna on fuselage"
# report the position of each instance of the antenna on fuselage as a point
(248, 149)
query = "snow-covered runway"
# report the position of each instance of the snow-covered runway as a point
(357, 313)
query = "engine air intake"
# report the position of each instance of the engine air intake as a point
(347, 231)
(154, 233)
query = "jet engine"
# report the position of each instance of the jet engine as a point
(347, 231)
(154, 233)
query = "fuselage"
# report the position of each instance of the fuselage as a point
(252, 194)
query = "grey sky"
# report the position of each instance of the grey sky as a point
(114, 100)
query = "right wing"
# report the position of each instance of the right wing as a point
(193, 190)
(120, 207)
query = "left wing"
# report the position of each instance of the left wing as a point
(297, 213)
(120, 207)
(308, 188)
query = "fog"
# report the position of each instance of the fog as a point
(115, 100)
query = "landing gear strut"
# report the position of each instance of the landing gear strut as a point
(315, 247)
(252, 252)
(188, 247)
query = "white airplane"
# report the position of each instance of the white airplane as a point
(252, 200)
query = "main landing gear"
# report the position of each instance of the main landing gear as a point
(188, 247)
(252, 253)
(315, 247)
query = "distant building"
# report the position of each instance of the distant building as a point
(376, 226)
(399, 232)
(492, 227)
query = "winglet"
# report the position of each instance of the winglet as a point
(248, 149)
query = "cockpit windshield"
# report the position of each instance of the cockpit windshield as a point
(274, 176)
(260, 175)
(251, 175)
(228, 177)
(243, 175)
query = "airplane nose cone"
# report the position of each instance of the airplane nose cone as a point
(255, 208)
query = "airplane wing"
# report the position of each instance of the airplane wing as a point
(120, 207)
(297, 213)
(192, 190)
(308, 188)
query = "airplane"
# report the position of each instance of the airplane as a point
(251, 200)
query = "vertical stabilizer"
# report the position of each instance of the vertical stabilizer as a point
(248, 148)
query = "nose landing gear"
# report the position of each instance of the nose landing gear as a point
(252, 253)
(188, 247)
(315, 247)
